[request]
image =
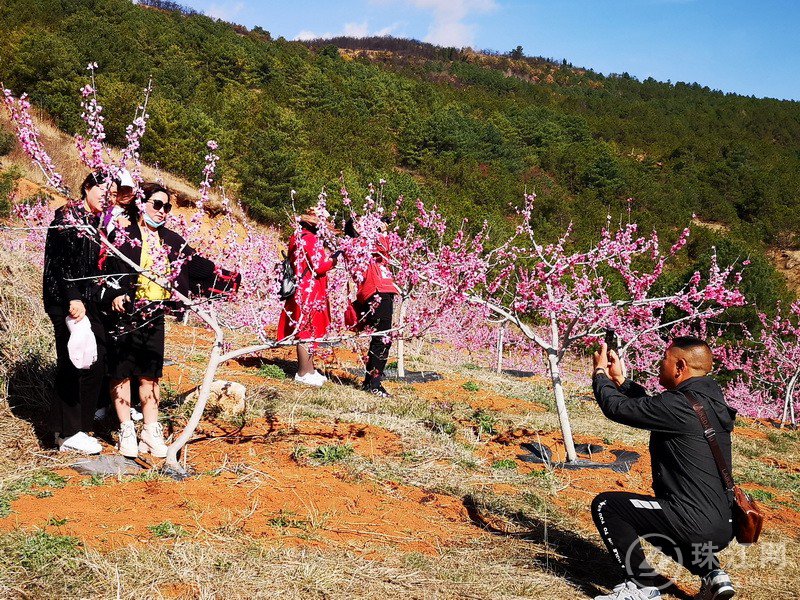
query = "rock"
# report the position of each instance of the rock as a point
(107, 464)
(225, 396)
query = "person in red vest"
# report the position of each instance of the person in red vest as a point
(375, 306)
(307, 313)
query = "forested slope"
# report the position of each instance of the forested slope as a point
(469, 131)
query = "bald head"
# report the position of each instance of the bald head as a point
(686, 357)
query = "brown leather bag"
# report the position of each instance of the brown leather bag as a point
(747, 516)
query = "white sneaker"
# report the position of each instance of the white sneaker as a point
(320, 376)
(630, 591)
(128, 446)
(309, 379)
(716, 586)
(136, 415)
(153, 440)
(80, 442)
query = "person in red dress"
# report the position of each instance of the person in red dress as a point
(307, 315)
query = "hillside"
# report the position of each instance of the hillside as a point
(470, 131)
(333, 492)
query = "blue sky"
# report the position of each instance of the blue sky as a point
(750, 47)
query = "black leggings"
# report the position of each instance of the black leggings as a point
(622, 518)
(378, 318)
(77, 390)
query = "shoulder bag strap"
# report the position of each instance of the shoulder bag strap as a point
(711, 437)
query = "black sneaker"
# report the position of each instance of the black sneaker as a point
(716, 586)
(378, 389)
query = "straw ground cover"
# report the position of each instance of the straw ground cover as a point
(434, 499)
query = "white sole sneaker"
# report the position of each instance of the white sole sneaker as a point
(80, 443)
(717, 586)
(128, 445)
(152, 441)
(309, 379)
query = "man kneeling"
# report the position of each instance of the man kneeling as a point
(689, 519)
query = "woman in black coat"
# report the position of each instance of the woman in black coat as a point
(69, 287)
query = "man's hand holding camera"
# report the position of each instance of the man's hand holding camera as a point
(609, 363)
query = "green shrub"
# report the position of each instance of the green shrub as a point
(470, 386)
(271, 371)
(7, 142)
(332, 453)
(8, 181)
(42, 549)
(439, 423)
(43, 478)
(485, 422)
(167, 529)
(761, 495)
(506, 463)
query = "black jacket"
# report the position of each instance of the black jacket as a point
(684, 472)
(69, 254)
(197, 275)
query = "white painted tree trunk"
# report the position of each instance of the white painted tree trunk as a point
(401, 344)
(202, 397)
(788, 406)
(553, 362)
(561, 405)
(500, 338)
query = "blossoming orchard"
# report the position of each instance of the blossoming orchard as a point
(458, 284)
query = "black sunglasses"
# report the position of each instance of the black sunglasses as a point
(159, 204)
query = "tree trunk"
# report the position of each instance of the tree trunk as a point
(500, 336)
(788, 406)
(202, 398)
(401, 344)
(561, 405)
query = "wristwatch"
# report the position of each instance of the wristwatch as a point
(603, 369)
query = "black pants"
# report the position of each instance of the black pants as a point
(77, 390)
(379, 318)
(622, 518)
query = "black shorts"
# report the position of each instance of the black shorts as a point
(138, 351)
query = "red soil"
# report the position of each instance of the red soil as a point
(580, 486)
(262, 492)
(450, 389)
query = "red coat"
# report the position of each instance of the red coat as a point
(307, 312)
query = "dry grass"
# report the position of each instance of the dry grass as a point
(27, 359)
(62, 150)
(241, 568)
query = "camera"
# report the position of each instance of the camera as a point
(612, 340)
